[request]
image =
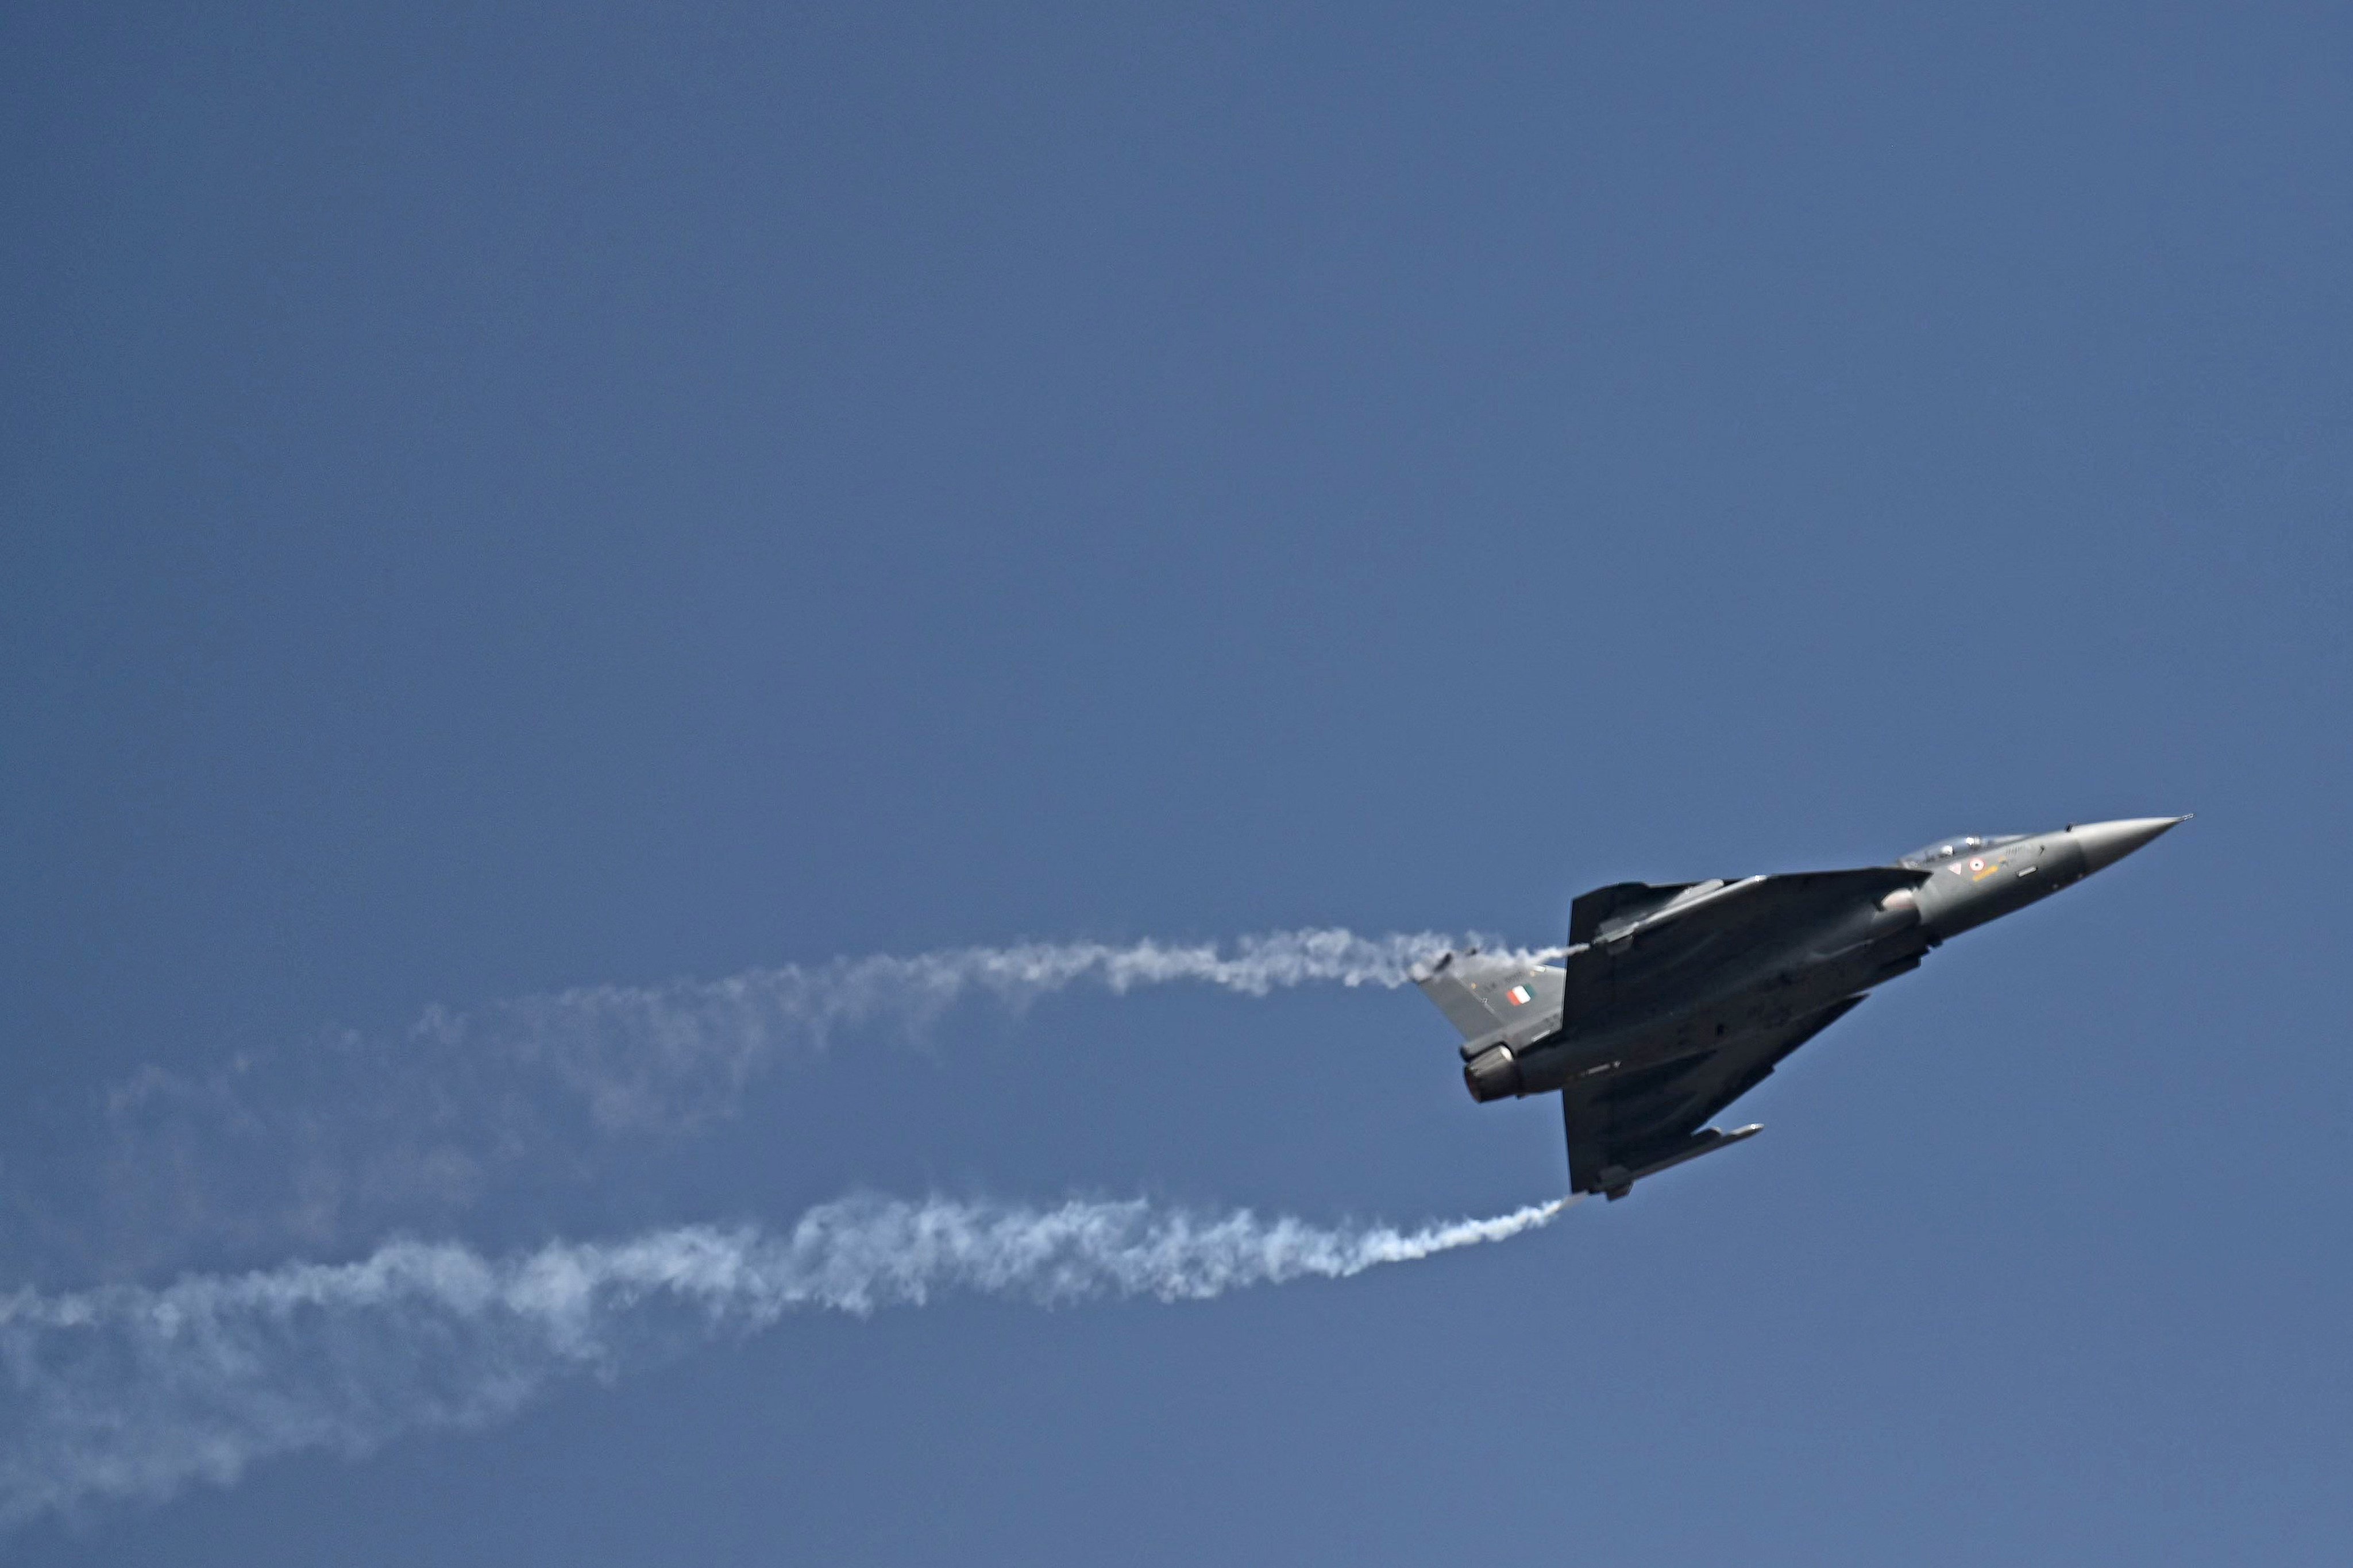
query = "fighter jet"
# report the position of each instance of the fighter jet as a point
(1672, 1001)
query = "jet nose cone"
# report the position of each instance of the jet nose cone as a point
(2106, 843)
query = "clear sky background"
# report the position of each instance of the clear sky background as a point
(497, 500)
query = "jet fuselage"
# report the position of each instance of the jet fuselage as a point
(1671, 1001)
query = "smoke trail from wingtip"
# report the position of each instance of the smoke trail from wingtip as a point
(644, 1055)
(308, 1146)
(127, 1392)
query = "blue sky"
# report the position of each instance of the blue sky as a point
(502, 502)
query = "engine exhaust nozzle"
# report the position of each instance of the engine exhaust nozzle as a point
(1493, 1074)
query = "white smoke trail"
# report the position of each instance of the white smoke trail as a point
(308, 1146)
(127, 1392)
(650, 1055)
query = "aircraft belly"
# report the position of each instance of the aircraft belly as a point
(1760, 1003)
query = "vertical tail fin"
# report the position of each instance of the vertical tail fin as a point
(1479, 996)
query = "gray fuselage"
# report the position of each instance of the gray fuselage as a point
(1631, 1003)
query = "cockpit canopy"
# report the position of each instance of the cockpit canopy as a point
(1964, 844)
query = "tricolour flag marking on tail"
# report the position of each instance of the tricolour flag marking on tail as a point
(1519, 996)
